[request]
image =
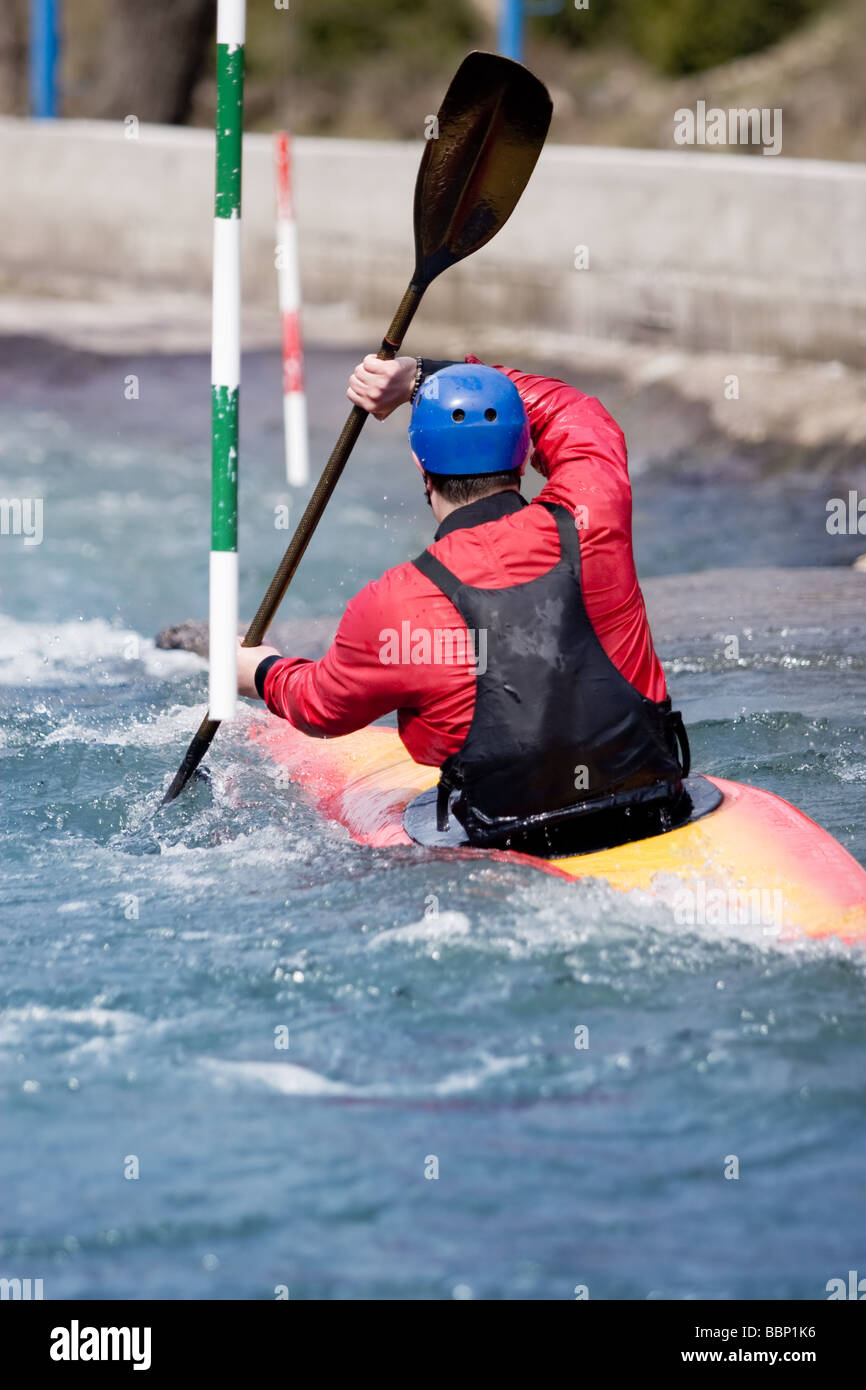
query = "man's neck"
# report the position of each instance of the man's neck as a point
(445, 508)
(493, 507)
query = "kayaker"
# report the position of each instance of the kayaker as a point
(516, 650)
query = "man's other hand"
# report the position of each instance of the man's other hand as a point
(380, 387)
(248, 663)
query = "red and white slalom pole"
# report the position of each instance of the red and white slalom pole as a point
(289, 286)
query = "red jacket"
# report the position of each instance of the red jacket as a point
(580, 450)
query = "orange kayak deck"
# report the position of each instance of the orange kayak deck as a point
(755, 860)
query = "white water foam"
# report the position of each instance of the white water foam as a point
(63, 654)
(289, 1079)
(285, 1077)
(461, 1082)
(169, 726)
(17, 1026)
(434, 930)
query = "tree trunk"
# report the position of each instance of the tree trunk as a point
(13, 65)
(153, 53)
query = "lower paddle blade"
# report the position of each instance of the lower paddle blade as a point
(492, 125)
(202, 740)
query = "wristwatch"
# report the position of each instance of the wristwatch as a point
(419, 376)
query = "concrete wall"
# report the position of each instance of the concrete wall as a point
(697, 251)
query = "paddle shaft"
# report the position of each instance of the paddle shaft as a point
(315, 508)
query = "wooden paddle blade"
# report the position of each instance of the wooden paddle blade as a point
(492, 125)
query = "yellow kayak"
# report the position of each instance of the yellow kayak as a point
(755, 858)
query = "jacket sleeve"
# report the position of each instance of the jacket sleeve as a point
(353, 684)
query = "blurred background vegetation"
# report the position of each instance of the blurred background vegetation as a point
(617, 69)
(680, 36)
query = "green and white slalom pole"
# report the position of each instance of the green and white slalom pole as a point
(226, 360)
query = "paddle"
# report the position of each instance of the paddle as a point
(491, 128)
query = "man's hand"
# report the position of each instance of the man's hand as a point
(380, 387)
(248, 664)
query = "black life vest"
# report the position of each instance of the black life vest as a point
(558, 736)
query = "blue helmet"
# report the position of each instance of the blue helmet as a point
(467, 420)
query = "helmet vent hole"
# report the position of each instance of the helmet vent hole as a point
(458, 415)
(490, 414)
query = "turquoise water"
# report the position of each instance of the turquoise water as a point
(147, 960)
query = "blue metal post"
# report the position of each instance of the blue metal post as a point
(43, 58)
(511, 29)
